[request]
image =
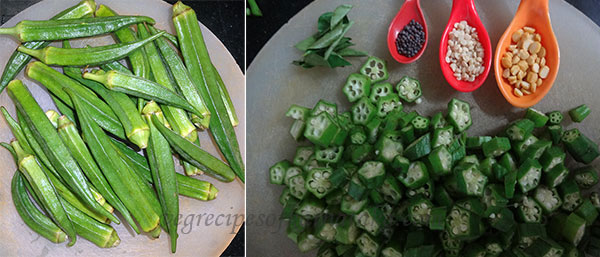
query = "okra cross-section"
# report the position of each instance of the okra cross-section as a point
(459, 115)
(440, 161)
(388, 104)
(462, 224)
(371, 220)
(470, 180)
(317, 181)
(298, 112)
(372, 174)
(375, 69)
(310, 207)
(586, 177)
(581, 148)
(277, 172)
(570, 194)
(324, 106)
(409, 89)
(419, 211)
(519, 129)
(347, 231)
(356, 87)
(368, 245)
(391, 190)
(379, 91)
(363, 111)
(321, 129)
(416, 176)
(330, 155)
(547, 198)
(529, 175)
(296, 185)
(387, 148)
(529, 211)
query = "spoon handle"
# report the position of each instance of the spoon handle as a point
(537, 7)
(463, 8)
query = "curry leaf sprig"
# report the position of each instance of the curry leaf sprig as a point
(329, 46)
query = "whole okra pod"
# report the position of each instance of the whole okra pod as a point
(18, 60)
(52, 146)
(31, 30)
(85, 56)
(197, 59)
(163, 174)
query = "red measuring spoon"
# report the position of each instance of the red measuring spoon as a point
(411, 10)
(465, 10)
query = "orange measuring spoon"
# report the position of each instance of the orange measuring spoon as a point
(535, 14)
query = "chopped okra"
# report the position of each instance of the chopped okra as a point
(356, 87)
(375, 69)
(529, 211)
(579, 113)
(363, 111)
(379, 91)
(324, 106)
(586, 177)
(277, 172)
(298, 112)
(317, 181)
(419, 211)
(409, 89)
(555, 117)
(459, 115)
(387, 104)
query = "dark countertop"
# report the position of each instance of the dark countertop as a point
(276, 13)
(224, 18)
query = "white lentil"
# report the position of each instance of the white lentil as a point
(465, 52)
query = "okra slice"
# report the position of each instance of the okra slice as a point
(421, 124)
(573, 229)
(388, 104)
(470, 180)
(347, 232)
(426, 190)
(535, 150)
(407, 134)
(325, 228)
(469, 159)
(450, 243)
(297, 129)
(556, 132)
(359, 153)
(373, 128)
(440, 161)
(587, 211)
(371, 220)
(462, 224)
(419, 211)
(544, 247)
(363, 111)
(329, 155)
(496, 147)
(472, 204)
(595, 199)
(547, 198)
(291, 172)
(529, 211)
(438, 121)
(443, 136)
(418, 148)
(326, 250)
(508, 161)
(400, 164)
(317, 181)
(392, 249)
(529, 175)
(510, 182)
(579, 113)
(303, 153)
(386, 149)
(310, 207)
(493, 197)
(321, 129)
(372, 174)
(539, 118)
(555, 117)
(277, 172)
(502, 219)
(296, 186)
(581, 148)
(324, 106)
(391, 190)
(308, 241)
(298, 112)
(358, 135)
(409, 89)
(553, 156)
(352, 206)
(375, 69)
(368, 245)
(476, 142)
(570, 194)
(379, 91)
(415, 176)
(519, 129)
(459, 115)
(486, 166)
(520, 146)
(285, 196)
(527, 233)
(357, 86)
(586, 177)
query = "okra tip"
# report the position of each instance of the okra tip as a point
(212, 194)
(39, 54)
(180, 8)
(140, 137)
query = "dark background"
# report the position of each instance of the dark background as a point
(276, 13)
(225, 18)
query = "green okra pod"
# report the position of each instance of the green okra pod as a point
(197, 60)
(182, 78)
(72, 139)
(120, 177)
(137, 58)
(96, 232)
(18, 60)
(163, 174)
(85, 56)
(115, 66)
(33, 218)
(45, 191)
(140, 87)
(31, 30)
(52, 146)
(62, 107)
(136, 130)
(177, 118)
(195, 155)
(226, 98)
(55, 82)
(187, 186)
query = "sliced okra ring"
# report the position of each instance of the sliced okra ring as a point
(310, 207)
(539, 118)
(461, 223)
(529, 211)
(302, 155)
(387, 104)
(553, 156)
(386, 149)
(579, 113)
(324, 106)
(519, 129)
(347, 231)
(419, 211)
(443, 136)
(581, 148)
(529, 175)
(537, 149)
(298, 112)
(392, 192)
(317, 181)
(321, 129)
(375, 69)
(409, 89)
(586, 177)
(371, 220)
(496, 147)
(296, 185)
(277, 172)
(308, 241)
(547, 198)
(587, 211)
(352, 206)
(570, 194)
(470, 180)
(459, 115)
(330, 155)
(363, 111)
(379, 91)
(356, 87)
(440, 160)
(367, 245)
(555, 117)
(416, 175)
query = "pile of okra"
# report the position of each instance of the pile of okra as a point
(380, 181)
(76, 168)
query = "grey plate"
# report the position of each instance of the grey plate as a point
(205, 228)
(275, 84)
